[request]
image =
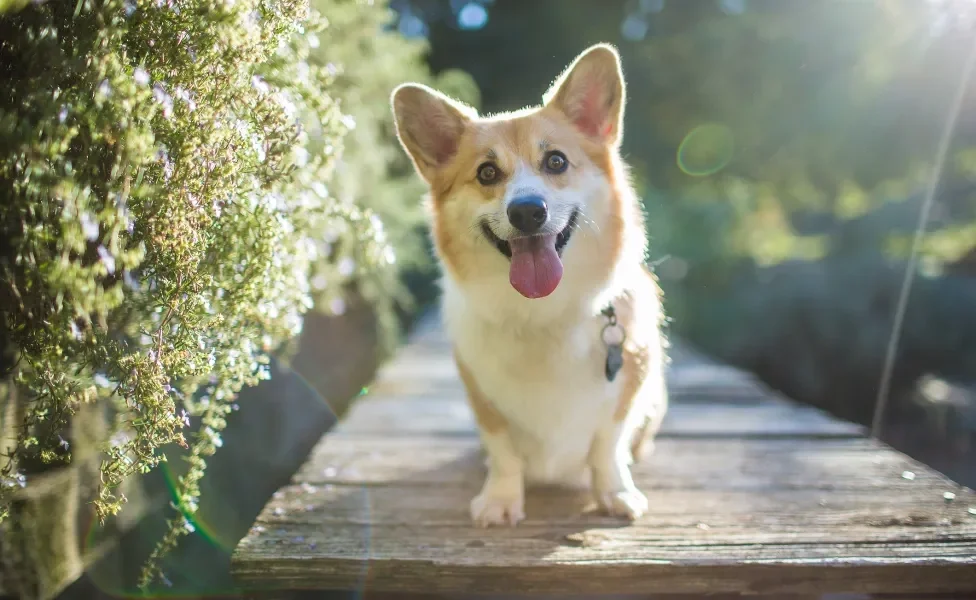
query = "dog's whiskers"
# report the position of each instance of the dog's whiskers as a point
(584, 219)
(475, 230)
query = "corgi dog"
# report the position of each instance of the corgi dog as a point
(554, 318)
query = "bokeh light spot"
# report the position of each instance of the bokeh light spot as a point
(472, 16)
(634, 28)
(706, 150)
(412, 26)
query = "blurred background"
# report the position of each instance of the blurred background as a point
(782, 149)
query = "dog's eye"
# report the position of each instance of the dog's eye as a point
(555, 162)
(487, 173)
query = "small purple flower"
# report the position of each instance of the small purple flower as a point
(107, 259)
(141, 76)
(89, 226)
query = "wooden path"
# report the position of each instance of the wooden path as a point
(749, 493)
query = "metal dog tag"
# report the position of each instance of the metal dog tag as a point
(613, 339)
(615, 360)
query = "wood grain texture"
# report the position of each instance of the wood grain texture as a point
(749, 493)
(720, 464)
(443, 414)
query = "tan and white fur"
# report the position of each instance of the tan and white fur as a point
(534, 368)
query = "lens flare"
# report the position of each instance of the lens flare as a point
(706, 150)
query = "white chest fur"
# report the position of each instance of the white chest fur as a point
(547, 382)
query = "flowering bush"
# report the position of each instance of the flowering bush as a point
(164, 166)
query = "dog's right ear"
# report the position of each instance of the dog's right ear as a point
(429, 125)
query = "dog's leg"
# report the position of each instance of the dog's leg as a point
(612, 450)
(502, 498)
(613, 485)
(644, 436)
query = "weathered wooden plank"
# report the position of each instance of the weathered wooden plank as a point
(601, 576)
(419, 370)
(426, 368)
(859, 513)
(368, 537)
(419, 392)
(447, 415)
(713, 465)
(394, 522)
(814, 507)
(749, 493)
(410, 388)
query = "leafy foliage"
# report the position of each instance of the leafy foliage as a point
(369, 60)
(163, 166)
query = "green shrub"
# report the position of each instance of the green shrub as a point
(164, 167)
(373, 172)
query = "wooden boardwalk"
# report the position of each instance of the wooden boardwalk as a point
(749, 493)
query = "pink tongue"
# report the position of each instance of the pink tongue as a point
(536, 268)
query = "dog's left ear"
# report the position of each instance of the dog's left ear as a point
(591, 93)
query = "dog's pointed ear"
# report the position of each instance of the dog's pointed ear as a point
(429, 125)
(591, 93)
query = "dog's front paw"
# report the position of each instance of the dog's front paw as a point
(497, 507)
(628, 503)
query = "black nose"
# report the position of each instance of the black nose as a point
(528, 214)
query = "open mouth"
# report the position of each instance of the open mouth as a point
(562, 238)
(535, 261)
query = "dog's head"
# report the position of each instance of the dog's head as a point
(513, 193)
